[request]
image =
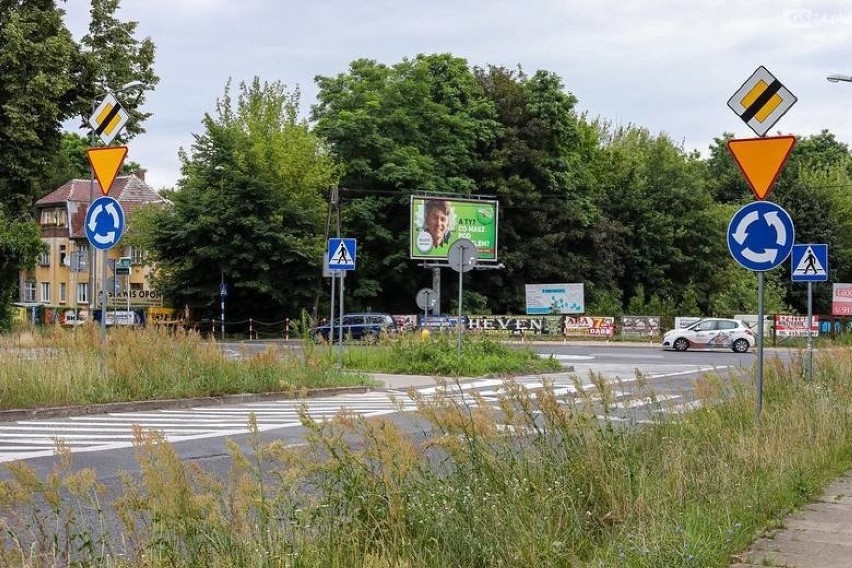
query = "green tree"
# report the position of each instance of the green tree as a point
(666, 231)
(250, 207)
(688, 304)
(537, 167)
(417, 126)
(20, 245)
(42, 71)
(115, 57)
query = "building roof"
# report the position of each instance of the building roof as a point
(130, 191)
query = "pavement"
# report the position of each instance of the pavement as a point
(819, 535)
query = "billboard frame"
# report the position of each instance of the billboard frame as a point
(474, 219)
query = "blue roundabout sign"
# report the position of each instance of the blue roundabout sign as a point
(761, 236)
(104, 223)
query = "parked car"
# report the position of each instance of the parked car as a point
(366, 327)
(711, 333)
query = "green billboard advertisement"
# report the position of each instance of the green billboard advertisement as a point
(437, 222)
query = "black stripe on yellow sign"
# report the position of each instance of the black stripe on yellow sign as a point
(761, 100)
(116, 109)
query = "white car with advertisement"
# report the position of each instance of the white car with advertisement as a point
(711, 333)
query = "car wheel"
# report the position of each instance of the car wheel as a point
(680, 344)
(741, 345)
(371, 337)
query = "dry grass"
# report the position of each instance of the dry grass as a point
(536, 481)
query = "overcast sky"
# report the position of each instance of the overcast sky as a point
(668, 66)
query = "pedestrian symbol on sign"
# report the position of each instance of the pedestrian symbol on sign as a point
(341, 254)
(809, 263)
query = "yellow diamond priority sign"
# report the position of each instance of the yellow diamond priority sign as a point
(761, 101)
(109, 118)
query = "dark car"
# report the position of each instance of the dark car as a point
(366, 327)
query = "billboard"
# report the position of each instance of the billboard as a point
(841, 301)
(437, 222)
(554, 299)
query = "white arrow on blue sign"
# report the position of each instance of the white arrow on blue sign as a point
(809, 263)
(104, 222)
(341, 254)
(761, 235)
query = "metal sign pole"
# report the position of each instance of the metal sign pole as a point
(759, 402)
(340, 336)
(103, 294)
(331, 316)
(459, 323)
(810, 334)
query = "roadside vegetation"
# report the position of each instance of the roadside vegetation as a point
(530, 481)
(48, 367)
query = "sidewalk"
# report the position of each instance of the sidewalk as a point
(819, 535)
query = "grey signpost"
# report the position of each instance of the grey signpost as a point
(426, 299)
(462, 258)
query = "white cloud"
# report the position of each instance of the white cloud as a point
(664, 65)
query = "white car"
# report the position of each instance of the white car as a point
(711, 333)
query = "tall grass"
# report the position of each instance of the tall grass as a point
(58, 367)
(534, 481)
(438, 355)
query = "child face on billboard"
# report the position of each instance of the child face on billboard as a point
(437, 222)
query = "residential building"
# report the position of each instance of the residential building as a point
(62, 278)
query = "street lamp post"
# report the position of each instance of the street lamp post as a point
(126, 88)
(837, 77)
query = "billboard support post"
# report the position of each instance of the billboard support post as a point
(436, 286)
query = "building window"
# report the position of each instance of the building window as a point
(62, 254)
(29, 291)
(136, 287)
(44, 259)
(55, 217)
(82, 292)
(63, 292)
(137, 255)
(45, 292)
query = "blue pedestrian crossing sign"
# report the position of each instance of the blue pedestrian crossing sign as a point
(341, 254)
(761, 235)
(809, 263)
(104, 223)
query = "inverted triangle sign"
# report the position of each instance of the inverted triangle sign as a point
(105, 163)
(761, 160)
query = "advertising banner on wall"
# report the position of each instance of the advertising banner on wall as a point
(640, 326)
(589, 325)
(841, 301)
(546, 299)
(438, 222)
(795, 326)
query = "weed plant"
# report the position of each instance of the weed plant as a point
(533, 480)
(438, 355)
(59, 367)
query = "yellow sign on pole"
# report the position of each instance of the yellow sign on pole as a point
(108, 119)
(105, 163)
(761, 101)
(761, 160)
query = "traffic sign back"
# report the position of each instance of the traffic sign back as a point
(761, 160)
